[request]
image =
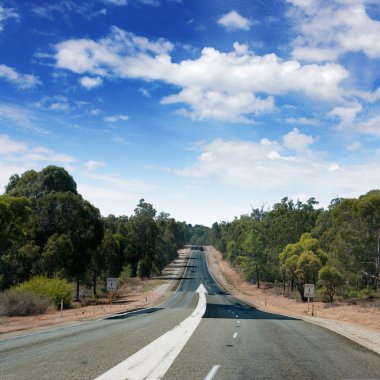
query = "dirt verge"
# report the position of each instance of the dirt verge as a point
(140, 294)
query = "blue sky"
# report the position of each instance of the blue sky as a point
(203, 108)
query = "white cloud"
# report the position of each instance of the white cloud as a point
(92, 165)
(302, 120)
(347, 114)
(52, 10)
(8, 145)
(145, 92)
(22, 81)
(368, 96)
(16, 116)
(115, 118)
(113, 194)
(297, 141)
(370, 127)
(329, 29)
(116, 2)
(6, 14)
(355, 146)
(91, 82)
(233, 21)
(15, 152)
(54, 103)
(232, 86)
(267, 173)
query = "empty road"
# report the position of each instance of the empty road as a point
(191, 336)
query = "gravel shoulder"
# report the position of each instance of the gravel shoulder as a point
(360, 324)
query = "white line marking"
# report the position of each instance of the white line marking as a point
(238, 321)
(212, 372)
(235, 335)
(152, 361)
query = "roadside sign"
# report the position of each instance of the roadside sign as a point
(111, 284)
(309, 291)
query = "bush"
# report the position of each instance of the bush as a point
(356, 293)
(54, 288)
(14, 303)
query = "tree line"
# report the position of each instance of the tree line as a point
(47, 228)
(295, 243)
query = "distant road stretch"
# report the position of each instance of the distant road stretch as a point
(199, 333)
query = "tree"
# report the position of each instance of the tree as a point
(56, 255)
(330, 279)
(68, 214)
(142, 239)
(14, 235)
(301, 261)
(308, 266)
(32, 184)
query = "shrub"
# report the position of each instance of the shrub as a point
(329, 278)
(54, 288)
(361, 294)
(14, 303)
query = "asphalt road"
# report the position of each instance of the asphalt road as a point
(232, 341)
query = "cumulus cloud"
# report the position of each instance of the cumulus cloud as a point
(265, 169)
(232, 86)
(329, 29)
(22, 81)
(91, 82)
(233, 21)
(347, 113)
(297, 141)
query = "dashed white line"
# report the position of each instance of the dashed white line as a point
(235, 335)
(212, 372)
(238, 321)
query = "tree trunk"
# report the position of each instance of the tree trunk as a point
(257, 276)
(77, 296)
(94, 284)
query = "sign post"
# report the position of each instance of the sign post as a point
(309, 293)
(111, 287)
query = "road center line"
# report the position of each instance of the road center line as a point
(235, 335)
(212, 372)
(152, 361)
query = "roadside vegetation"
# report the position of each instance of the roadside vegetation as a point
(52, 239)
(293, 244)
(55, 245)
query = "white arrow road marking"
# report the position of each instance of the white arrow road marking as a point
(152, 361)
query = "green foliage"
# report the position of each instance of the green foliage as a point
(14, 303)
(359, 293)
(54, 288)
(329, 278)
(32, 184)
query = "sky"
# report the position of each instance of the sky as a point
(204, 108)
